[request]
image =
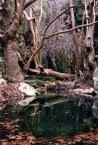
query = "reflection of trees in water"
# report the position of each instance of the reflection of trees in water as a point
(95, 109)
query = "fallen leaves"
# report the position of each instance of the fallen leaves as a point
(9, 94)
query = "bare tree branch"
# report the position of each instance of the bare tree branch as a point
(54, 34)
(42, 40)
(28, 2)
(28, 18)
(57, 18)
(70, 30)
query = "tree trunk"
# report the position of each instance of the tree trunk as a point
(9, 44)
(89, 37)
(12, 69)
(76, 51)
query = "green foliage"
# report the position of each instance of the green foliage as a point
(35, 82)
(79, 11)
(65, 64)
(22, 27)
(12, 12)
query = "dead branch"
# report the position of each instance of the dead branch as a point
(52, 73)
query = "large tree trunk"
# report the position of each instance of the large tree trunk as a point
(12, 68)
(89, 34)
(9, 44)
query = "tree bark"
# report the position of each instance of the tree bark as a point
(76, 51)
(89, 37)
(12, 69)
(9, 44)
(52, 73)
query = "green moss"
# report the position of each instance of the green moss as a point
(35, 83)
(47, 97)
(39, 82)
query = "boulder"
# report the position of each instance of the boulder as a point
(95, 78)
(27, 89)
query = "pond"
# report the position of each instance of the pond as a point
(50, 114)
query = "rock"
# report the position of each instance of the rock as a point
(27, 90)
(26, 101)
(89, 91)
(2, 81)
(62, 88)
(95, 78)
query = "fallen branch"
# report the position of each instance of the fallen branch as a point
(52, 73)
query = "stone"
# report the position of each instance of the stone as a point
(95, 78)
(26, 101)
(27, 89)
